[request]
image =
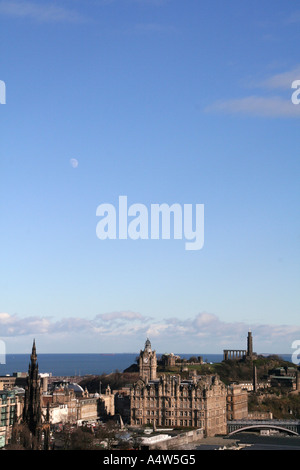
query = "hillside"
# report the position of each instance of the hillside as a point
(116, 380)
(229, 371)
(284, 406)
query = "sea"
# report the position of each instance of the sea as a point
(70, 365)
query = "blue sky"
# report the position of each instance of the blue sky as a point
(164, 101)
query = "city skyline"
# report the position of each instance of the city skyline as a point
(164, 103)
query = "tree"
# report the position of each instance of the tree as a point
(136, 442)
(107, 433)
(81, 439)
(21, 437)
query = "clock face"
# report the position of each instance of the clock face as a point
(146, 359)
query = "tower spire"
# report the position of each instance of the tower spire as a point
(33, 352)
(32, 411)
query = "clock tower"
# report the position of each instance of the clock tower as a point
(147, 362)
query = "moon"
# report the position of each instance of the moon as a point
(74, 162)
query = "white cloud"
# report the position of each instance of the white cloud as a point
(264, 105)
(204, 331)
(205, 320)
(12, 325)
(156, 329)
(5, 318)
(120, 316)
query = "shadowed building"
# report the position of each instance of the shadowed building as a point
(38, 425)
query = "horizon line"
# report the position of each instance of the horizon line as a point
(137, 352)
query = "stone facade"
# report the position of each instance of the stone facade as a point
(76, 405)
(169, 401)
(260, 415)
(169, 360)
(87, 410)
(237, 402)
(107, 403)
(148, 362)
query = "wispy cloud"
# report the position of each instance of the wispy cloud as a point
(281, 80)
(271, 107)
(41, 12)
(276, 106)
(121, 317)
(205, 330)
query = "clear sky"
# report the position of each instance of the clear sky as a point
(164, 101)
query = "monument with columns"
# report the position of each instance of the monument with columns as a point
(238, 354)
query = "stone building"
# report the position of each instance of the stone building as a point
(169, 359)
(237, 402)
(147, 362)
(9, 405)
(107, 403)
(59, 413)
(72, 404)
(87, 410)
(17, 379)
(122, 405)
(169, 401)
(62, 401)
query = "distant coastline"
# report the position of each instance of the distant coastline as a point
(80, 364)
